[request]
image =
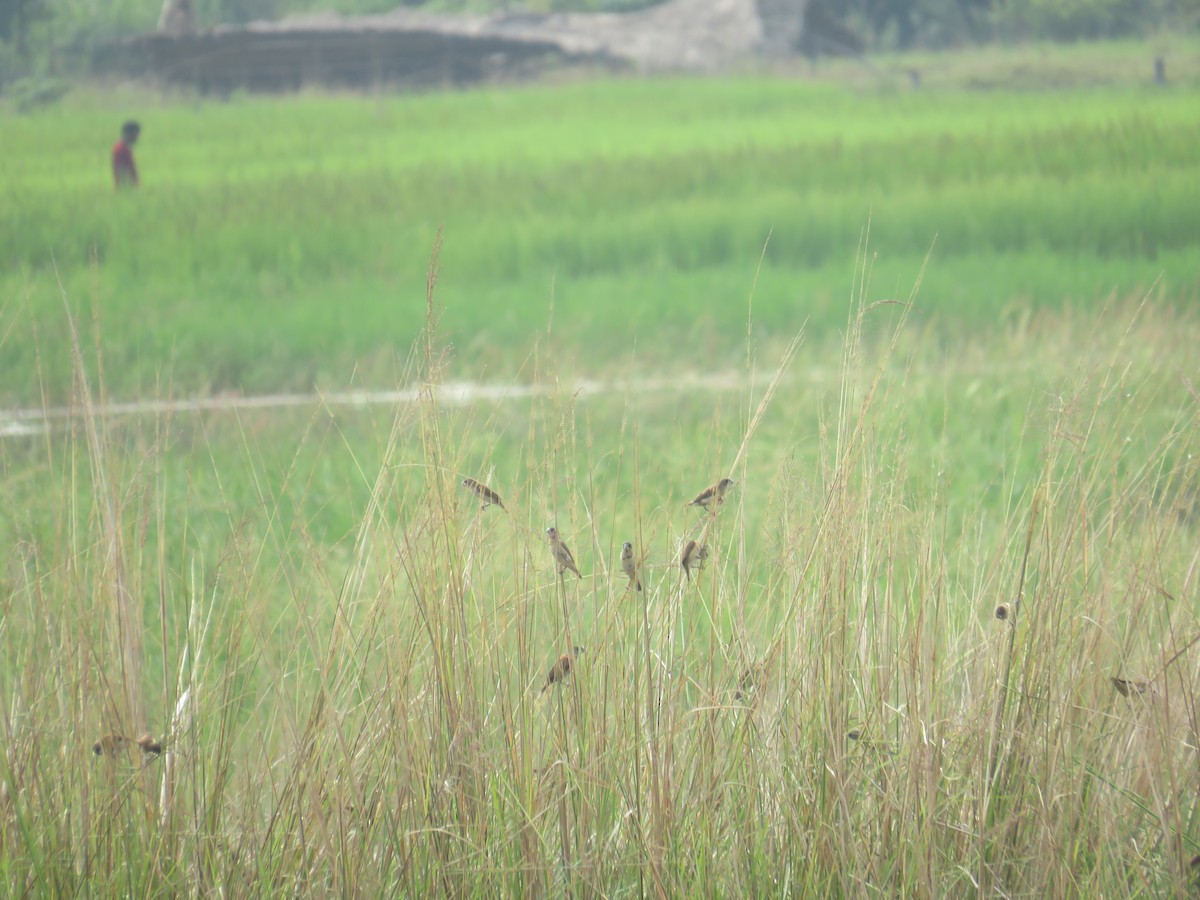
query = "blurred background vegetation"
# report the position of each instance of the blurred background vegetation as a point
(61, 37)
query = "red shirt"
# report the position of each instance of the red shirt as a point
(124, 171)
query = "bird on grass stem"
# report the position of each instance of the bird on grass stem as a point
(113, 745)
(1127, 687)
(149, 745)
(486, 495)
(110, 745)
(561, 670)
(562, 554)
(712, 497)
(628, 564)
(692, 558)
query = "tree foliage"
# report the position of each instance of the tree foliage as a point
(17, 17)
(904, 24)
(1089, 19)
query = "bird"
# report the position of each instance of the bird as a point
(561, 670)
(110, 745)
(748, 682)
(712, 497)
(149, 745)
(1127, 687)
(562, 555)
(484, 493)
(628, 565)
(692, 557)
(1007, 610)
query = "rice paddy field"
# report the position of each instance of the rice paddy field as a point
(943, 641)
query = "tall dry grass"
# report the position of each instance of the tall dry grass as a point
(831, 706)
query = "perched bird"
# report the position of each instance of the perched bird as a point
(628, 565)
(486, 495)
(748, 682)
(110, 745)
(148, 745)
(692, 557)
(561, 670)
(1006, 610)
(562, 555)
(1127, 687)
(711, 498)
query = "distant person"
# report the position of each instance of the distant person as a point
(124, 171)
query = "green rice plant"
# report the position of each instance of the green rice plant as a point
(278, 245)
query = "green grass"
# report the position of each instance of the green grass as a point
(278, 244)
(363, 650)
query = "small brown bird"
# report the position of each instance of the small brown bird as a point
(748, 682)
(561, 670)
(1008, 610)
(486, 495)
(110, 745)
(562, 554)
(711, 498)
(1127, 688)
(628, 565)
(149, 746)
(692, 557)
